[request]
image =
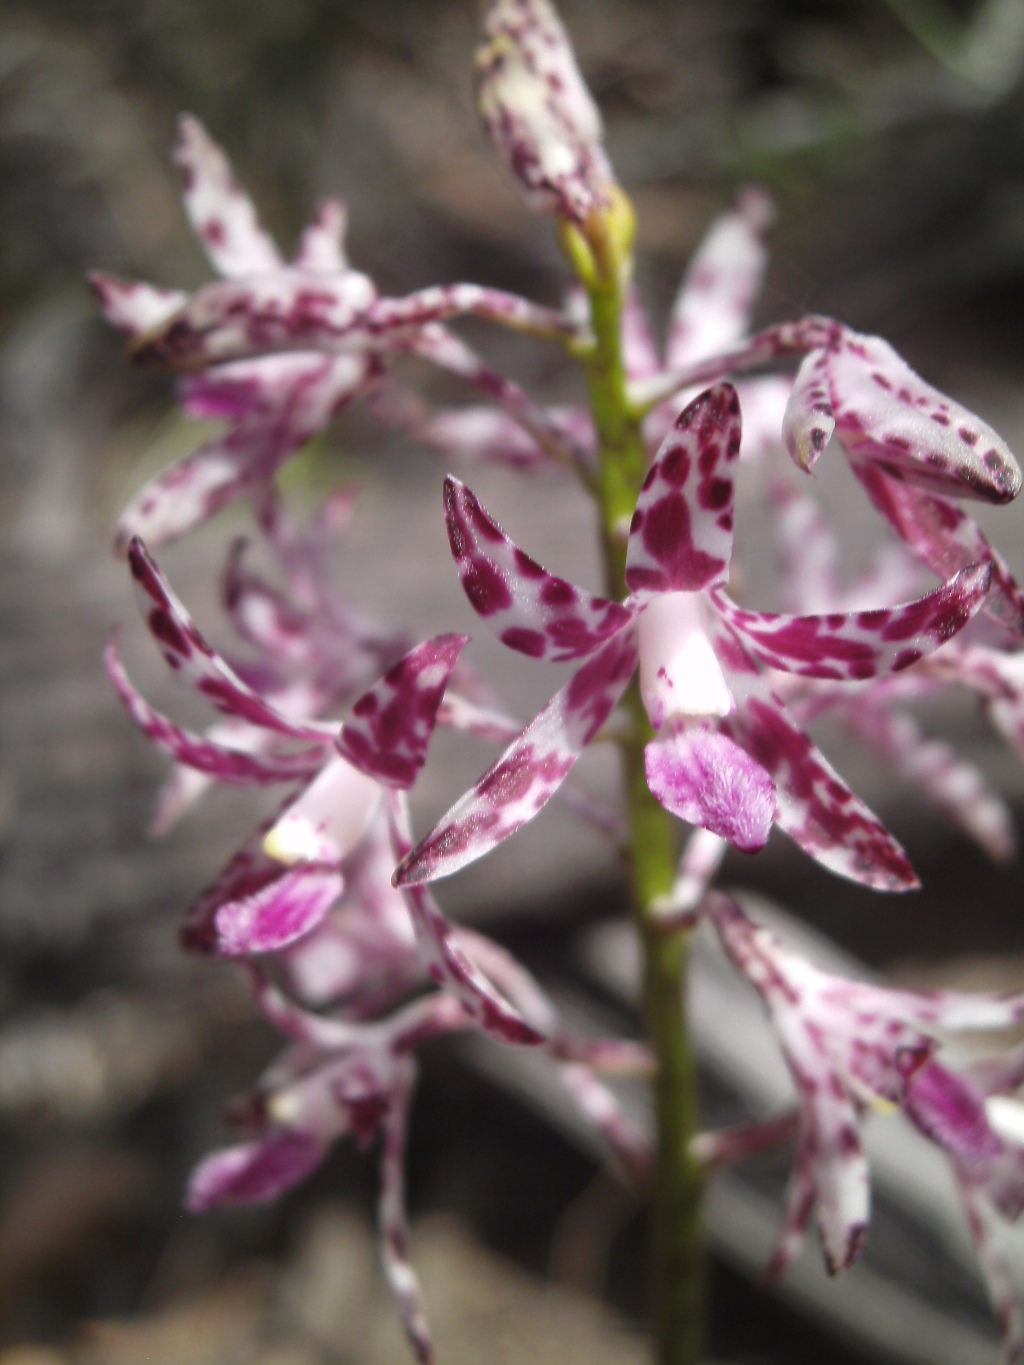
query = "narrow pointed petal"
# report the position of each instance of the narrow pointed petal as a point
(530, 771)
(945, 538)
(529, 609)
(221, 213)
(392, 1225)
(707, 780)
(954, 787)
(391, 725)
(253, 1172)
(815, 806)
(859, 645)
(887, 415)
(807, 549)
(322, 244)
(808, 422)
(260, 905)
(537, 110)
(449, 963)
(680, 538)
(193, 660)
(1000, 1279)
(722, 282)
(842, 1184)
(797, 1217)
(202, 752)
(186, 495)
(132, 306)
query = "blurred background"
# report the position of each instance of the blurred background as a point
(891, 134)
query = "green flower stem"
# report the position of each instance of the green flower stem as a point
(677, 1270)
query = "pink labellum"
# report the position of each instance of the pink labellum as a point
(529, 609)
(815, 806)
(221, 213)
(680, 538)
(709, 781)
(722, 282)
(945, 538)
(132, 306)
(391, 725)
(530, 771)
(537, 111)
(254, 1172)
(887, 415)
(194, 661)
(859, 645)
(322, 244)
(808, 422)
(203, 752)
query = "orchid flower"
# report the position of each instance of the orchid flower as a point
(727, 757)
(849, 1046)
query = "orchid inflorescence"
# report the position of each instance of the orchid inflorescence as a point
(328, 905)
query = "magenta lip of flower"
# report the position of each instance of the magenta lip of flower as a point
(681, 543)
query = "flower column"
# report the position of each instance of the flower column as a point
(600, 252)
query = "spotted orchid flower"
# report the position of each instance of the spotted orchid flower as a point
(727, 757)
(850, 1046)
(328, 329)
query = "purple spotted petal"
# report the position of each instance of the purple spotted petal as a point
(815, 807)
(202, 752)
(254, 1172)
(322, 244)
(296, 310)
(392, 1224)
(449, 963)
(194, 661)
(722, 282)
(887, 415)
(132, 306)
(258, 904)
(997, 1269)
(529, 609)
(680, 538)
(807, 423)
(863, 644)
(954, 787)
(709, 781)
(221, 213)
(530, 771)
(391, 725)
(537, 110)
(945, 539)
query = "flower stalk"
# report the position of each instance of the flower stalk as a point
(677, 1263)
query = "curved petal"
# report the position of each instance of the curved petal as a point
(529, 609)
(133, 306)
(859, 645)
(722, 282)
(254, 1172)
(194, 661)
(391, 725)
(707, 780)
(221, 213)
(808, 422)
(945, 538)
(680, 538)
(529, 772)
(887, 415)
(815, 806)
(204, 753)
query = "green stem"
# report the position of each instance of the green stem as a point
(677, 1270)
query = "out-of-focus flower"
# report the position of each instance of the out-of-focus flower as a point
(850, 1045)
(727, 758)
